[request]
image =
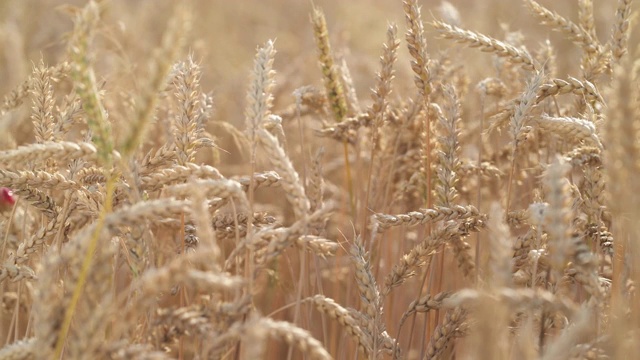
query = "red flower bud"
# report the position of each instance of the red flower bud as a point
(7, 200)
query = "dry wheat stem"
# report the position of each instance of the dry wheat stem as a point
(167, 251)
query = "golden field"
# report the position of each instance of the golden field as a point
(285, 179)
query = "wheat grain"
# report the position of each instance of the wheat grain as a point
(41, 152)
(341, 315)
(331, 76)
(417, 48)
(439, 213)
(296, 337)
(452, 326)
(571, 129)
(620, 33)
(20, 350)
(486, 44)
(572, 31)
(133, 228)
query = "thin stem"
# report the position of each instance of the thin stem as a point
(349, 179)
(86, 265)
(510, 183)
(479, 177)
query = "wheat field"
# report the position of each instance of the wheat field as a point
(367, 179)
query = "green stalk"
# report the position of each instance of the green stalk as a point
(86, 265)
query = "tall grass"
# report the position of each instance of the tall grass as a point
(470, 194)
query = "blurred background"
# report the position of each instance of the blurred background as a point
(225, 35)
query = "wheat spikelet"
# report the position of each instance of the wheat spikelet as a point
(572, 336)
(439, 213)
(202, 221)
(223, 189)
(369, 293)
(417, 257)
(225, 224)
(584, 156)
(290, 180)
(162, 157)
(486, 44)
(517, 298)
(39, 200)
(333, 85)
(417, 48)
(571, 85)
(37, 179)
(33, 243)
(425, 304)
(16, 97)
(19, 157)
(125, 351)
(593, 191)
(522, 110)
(586, 16)
(178, 174)
(384, 77)
(42, 114)
(558, 215)
(452, 326)
(351, 96)
(194, 109)
(87, 89)
(315, 182)
(319, 246)
(341, 315)
(620, 32)
(20, 350)
(572, 31)
(280, 239)
(260, 180)
(461, 252)
(578, 130)
(259, 96)
(173, 40)
(448, 163)
(295, 336)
